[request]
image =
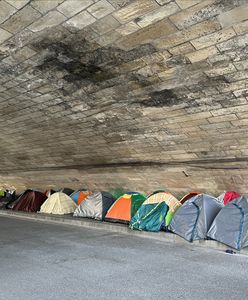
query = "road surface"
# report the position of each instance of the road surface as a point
(50, 261)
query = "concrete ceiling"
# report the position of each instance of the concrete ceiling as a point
(141, 94)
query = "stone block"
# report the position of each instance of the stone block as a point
(182, 49)
(198, 13)
(202, 54)
(187, 3)
(18, 3)
(21, 19)
(145, 35)
(241, 27)
(188, 34)
(105, 25)
(237, 76)
(51, 19)
(221, 70)
(107, 38)
(72, 7)
(23, 54)
(234, 43)
(128, 28)
(214, 38)
(100, 9)
(241, 65)
(45, 5)
(134, 10)
(225, 118)
(81, 20)
(233, 16)
(158, 14)
(6, 10)
(230, 110)
(4, 35)
(162, 2)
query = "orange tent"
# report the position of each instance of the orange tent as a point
(125, 207)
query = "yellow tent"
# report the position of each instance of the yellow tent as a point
(58, 204)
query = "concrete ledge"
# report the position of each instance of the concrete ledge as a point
(115, 227)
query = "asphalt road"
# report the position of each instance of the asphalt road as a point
(48, 261)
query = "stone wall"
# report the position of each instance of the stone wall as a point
(142, 94)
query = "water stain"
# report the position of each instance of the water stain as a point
(161, 98)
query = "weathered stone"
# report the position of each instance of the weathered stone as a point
(234, 43)
(101, 9)
(4, 35)
(105, 25)
(214, 38)
(182, 49)
(198, 13)
(241, 65)
(233, 16)
(21, 19)
(51, 19)
(18, 4)
(134, 10)
(147, 34)
(45, 5)
(162, 2)
(222, 70)
(158, 14)
(81, 20)
(72, 7)
(105, 83)
(241, 27)
(128, 28)
(202, 54)
(187, 3)
(6, 11)
(188, 34)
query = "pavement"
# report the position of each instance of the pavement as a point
(55, 261)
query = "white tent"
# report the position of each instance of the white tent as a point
(58, 204)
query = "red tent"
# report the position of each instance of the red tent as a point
(30, 201)
(229, 196)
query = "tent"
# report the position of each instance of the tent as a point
(125, 207)
(117, 192)
(188, 196)
(230, 226)
(226, 197)
(150, 217)
(194, 218)
(169, 199)
(48, 193)
(66, 191)
(79, 196)
(58, 204)
(30, 201)
(2, 193)
(9, 197)
(151, 211)
(95, 206)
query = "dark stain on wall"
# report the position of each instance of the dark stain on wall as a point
(161, 98)
(84, 64)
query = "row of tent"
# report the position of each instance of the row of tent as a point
(196, 216)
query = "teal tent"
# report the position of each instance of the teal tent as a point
(150, 217)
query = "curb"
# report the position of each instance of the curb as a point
(116, 227)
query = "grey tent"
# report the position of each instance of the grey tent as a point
(95, 206)
(230, 226)
(194, 218)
